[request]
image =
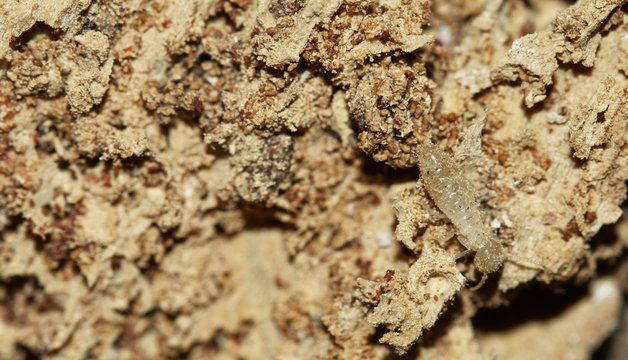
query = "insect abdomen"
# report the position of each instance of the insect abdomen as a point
(453, 194)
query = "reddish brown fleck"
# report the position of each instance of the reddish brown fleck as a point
(271, 31)
(570, 230)
(502, 158)
(44, 304)
(153, 168)
(389, 274)
(197, 104)
(364, 266)
(435, 297)
(385, 35)
(449, 117)
(358, 39)
(590, 216)
(372, 198)
(166, 23)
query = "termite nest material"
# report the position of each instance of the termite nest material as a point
(222, 175)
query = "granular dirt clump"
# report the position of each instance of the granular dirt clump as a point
(251, 179)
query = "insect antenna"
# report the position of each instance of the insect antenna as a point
(463, 254)
(525, 263)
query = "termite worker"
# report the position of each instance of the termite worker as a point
(454, 195)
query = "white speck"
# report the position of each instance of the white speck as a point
(555, 118)
(236, 39)
(604, 291)
(428, 101)
(301, 334)
(495, 224)
(350, 208)
(20, 179)
(507, 221)
(384, 239)
(212, 80)
(444, 34)
(189, 191)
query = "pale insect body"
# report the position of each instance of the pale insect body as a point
(454, 195)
